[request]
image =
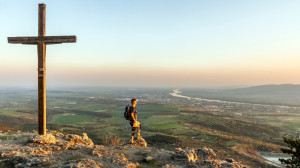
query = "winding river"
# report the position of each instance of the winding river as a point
(271, 158)
(178, 93)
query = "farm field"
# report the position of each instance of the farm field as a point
(164, 125)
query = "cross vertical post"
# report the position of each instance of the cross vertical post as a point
(42, 70)
(41, 41)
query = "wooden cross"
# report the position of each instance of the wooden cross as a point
(41, 40)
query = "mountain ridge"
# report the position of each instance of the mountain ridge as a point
(269, 90)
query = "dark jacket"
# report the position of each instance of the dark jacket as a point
(133, 111)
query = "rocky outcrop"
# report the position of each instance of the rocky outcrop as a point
(85, 164)
(76, 141)
(57, 150)
(43, 139)
(204, 158)
(71, 151)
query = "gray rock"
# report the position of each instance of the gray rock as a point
(19, 165)
(206, 153)
(149, 158)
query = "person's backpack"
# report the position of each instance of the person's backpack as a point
(127, 113)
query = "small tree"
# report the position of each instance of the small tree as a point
(294, 151)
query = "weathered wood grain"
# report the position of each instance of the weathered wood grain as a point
(41, 41)
(45, 39)
(41, 71)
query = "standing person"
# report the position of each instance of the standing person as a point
(133, 121)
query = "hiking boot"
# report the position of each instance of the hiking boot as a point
(131, 140)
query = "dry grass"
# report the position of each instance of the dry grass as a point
(112, 140)
(241, 139)
(248, 150)
(7, 127)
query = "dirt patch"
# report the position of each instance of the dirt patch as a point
(26, 116)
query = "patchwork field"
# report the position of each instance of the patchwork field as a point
(164, 125)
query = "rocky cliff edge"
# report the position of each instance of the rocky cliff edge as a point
(22, 150)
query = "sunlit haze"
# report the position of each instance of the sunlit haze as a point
(171, 43)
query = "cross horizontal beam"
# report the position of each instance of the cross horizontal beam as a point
(42, 39)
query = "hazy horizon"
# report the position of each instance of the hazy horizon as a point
(98, 87)
(155, 43)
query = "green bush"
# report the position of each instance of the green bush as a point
(294, 151)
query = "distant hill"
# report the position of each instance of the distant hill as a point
(283, 90)
(284, 94)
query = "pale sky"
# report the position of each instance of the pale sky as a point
(169, 43)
